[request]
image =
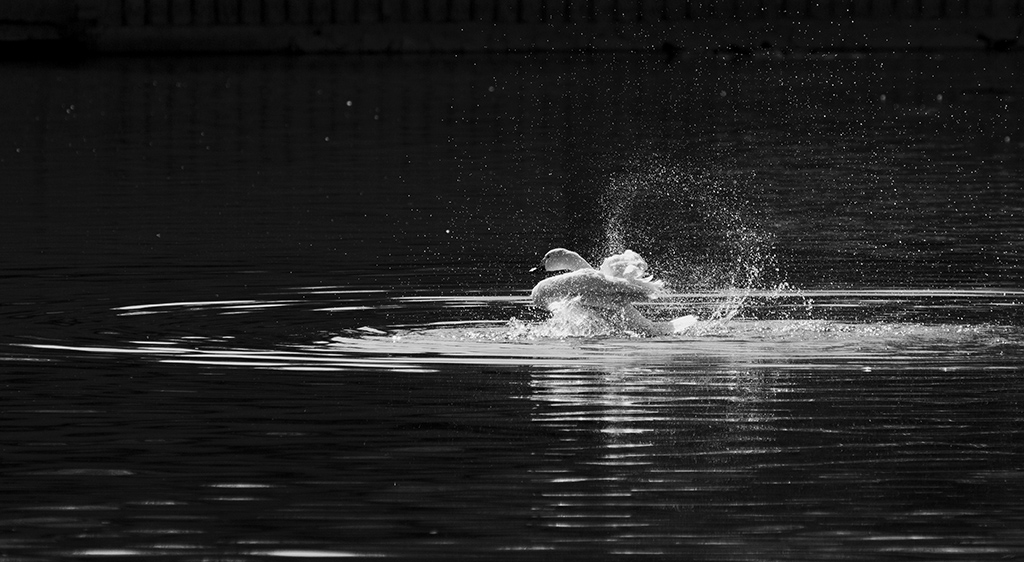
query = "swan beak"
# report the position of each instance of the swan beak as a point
(532, 269)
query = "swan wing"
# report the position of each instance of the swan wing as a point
(593, 288)
(631, 268)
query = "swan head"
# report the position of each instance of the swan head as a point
(561, 259)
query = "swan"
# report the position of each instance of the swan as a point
(608, 292)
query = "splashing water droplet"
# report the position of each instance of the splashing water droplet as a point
(699, 231)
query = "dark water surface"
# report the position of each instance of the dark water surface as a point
(257, 308)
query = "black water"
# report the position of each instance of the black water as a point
(257, 308)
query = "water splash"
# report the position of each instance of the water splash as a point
(569, 318)
(699, 229)
(781, 302)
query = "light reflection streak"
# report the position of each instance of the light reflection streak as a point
(650, 432)
(741, 345)
(737, 345)
(185, 304)
(298, 553)
(170, 549)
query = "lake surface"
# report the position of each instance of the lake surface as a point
(262, 308)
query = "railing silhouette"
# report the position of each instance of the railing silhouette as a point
(325, 12)
(513, 25)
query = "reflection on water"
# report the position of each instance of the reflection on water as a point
(847, 438)
(278, 307)
(778, 458)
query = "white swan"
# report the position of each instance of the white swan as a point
(607, 293)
